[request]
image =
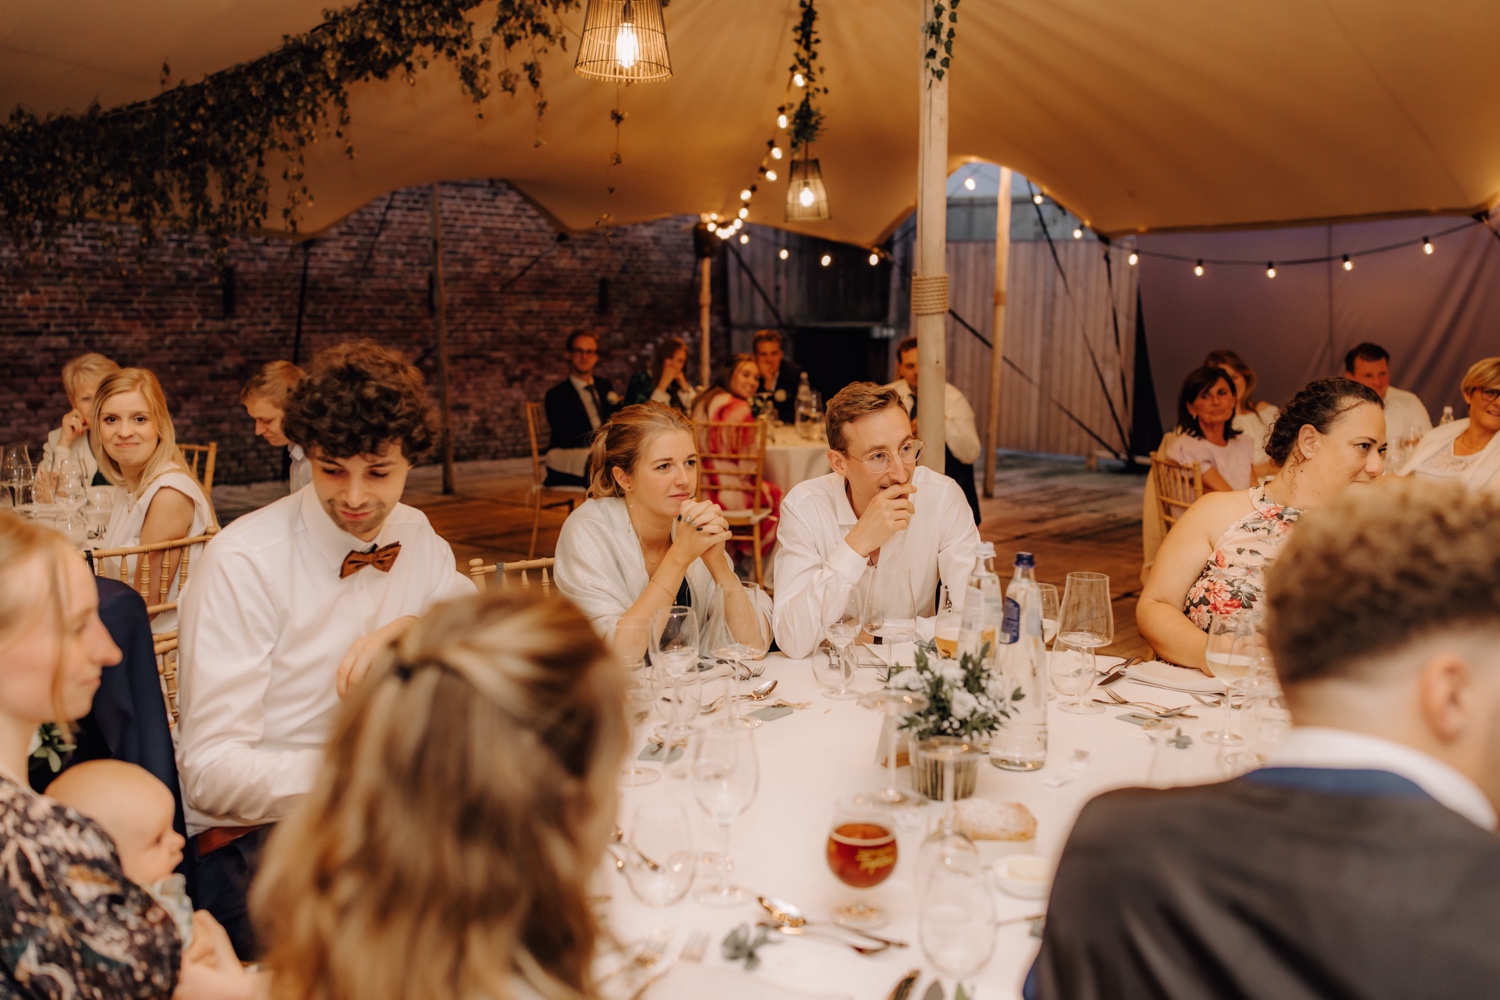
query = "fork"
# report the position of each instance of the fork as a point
(651, 953)
(692, 951)
(1154, 709)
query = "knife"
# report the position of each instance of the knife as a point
(906, 985)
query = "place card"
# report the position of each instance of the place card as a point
(771, 712)
(655, 753)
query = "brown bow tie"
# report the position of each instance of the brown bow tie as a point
(382, 559)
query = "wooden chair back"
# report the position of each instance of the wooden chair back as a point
(740, 468)
(161, 563)
(1178, 487)
(524, 569)
(166, 666)
(200, 458)
(534, 418)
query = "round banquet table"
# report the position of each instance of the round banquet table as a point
(790, 458)
(811, 758)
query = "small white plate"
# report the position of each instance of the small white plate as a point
(1025, 876)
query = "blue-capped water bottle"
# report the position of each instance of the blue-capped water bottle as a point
(1020, 682)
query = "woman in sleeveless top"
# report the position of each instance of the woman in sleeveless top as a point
(157, 498)
(1214, 561)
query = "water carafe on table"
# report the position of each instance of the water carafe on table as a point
(1020, 744)
(806, 410)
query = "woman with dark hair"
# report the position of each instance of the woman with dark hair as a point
(1206, 434)
(1250, 417)
(665, 381)
(727, 401)
(1214, 560)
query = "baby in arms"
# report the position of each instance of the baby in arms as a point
(136, 810)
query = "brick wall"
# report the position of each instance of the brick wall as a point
(366, 276)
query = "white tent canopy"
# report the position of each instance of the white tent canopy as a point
(1145, 116)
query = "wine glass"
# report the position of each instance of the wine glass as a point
(1086, 619)
(1266, 719)
(740, 631)
(15, 470)
(659, 855)
(948, 623)
(1050, 607)
(946, 846)
(725, 775)
(861, 854)
(890, 612)
(96, 512)
(69, 488)
(1231, 657)
(893, 705)
(956, 921)
(1073, 673)
(673, 650)
(632, 636)
(841, 610)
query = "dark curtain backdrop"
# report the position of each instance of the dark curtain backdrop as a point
(1436, 313)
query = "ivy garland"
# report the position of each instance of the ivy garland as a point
(805, 120)
(194, 158)
(940, 33)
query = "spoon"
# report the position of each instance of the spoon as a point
(714, 705)
(759, 692)
(787, 915)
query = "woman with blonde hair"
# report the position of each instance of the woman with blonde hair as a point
(727, 401)
(1468, 449)
(643, 540)
(465, 797)
(69, 441)
(157, 497)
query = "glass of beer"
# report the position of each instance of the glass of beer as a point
(861, 854)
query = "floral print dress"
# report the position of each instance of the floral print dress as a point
(1234, 578)
(71, 924)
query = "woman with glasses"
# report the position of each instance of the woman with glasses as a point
(877, 507)
(1467, 450)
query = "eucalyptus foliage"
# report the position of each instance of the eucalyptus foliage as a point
(197, 157)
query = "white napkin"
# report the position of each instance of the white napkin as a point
(1167, 675)
(691, 981)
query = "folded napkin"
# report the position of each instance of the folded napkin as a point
(691, 981)
(1175, 678)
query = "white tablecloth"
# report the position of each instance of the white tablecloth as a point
(790, 459)
(810, 759)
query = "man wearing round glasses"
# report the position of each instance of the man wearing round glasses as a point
(876, 508)
(576, 407)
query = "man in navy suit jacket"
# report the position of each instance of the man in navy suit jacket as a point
(576, 407)
(778, 376)
(1362, 861)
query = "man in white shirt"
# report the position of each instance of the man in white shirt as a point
(958, 423)
(576, 407)
(290, 603)
(1406, 417)
(1362, 860)
(264, 399)
(877, 507)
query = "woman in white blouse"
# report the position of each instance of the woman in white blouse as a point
(1467, 450)
(1251, 417)
(157, 498)
(643, 541)
(1206, 434)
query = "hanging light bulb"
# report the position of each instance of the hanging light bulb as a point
(770, 175)
(826, 260)
(1348, 264)
(1133, 258)
(969, 184)
(781, 121)
(744, 213)
(1078, 232)
(1426, 245)
(1270, 269)
(874, 258)
(725, 232)
(623, 41)
(744, 238)
(805, 197)
(1037, 198)
(712, 226)
(775, 152)
(713, 216)
(745, 194)
(1198, 269)
(798, 80)
(784, 253)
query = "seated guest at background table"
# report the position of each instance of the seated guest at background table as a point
(963, 446)
(80, 377)
(1406, 417)
(1214, 560)
(1250, 417)
(779, 377)
(157, 497)
(413, 833)
(576, 407)
(665, 381)
(727, 401)
(1206, 433)
(642, 542)
(1468, 449)
(289, 604)
(1362, 861)
(264, 398)
(73, 922)
(877, 507)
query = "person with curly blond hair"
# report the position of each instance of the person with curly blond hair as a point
(289, 604)
(467, 793)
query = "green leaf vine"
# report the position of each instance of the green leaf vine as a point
(195, 158)
(805, 120)
(940, 33)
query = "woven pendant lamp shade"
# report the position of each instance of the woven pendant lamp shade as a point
(624, 41)
(806, 197)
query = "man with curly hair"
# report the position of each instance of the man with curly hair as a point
(289, 604)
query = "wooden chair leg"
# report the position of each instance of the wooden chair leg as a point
(755, 541)
(536, 525)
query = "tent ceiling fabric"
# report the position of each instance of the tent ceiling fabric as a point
(1153, 115)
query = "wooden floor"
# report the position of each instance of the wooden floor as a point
(1070, 518)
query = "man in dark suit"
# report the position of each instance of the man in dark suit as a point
(778, 376)
(1362, 861)
(576, 407)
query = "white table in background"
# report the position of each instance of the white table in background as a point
(810, 759)
(791, 459)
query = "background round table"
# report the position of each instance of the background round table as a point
(790, 458)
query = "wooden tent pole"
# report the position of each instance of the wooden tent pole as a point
(929, 286)
(997, 331)
(440, 309)
(705, 304)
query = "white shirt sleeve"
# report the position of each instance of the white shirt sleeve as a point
(959, 428)
(803, 575)
(959, 539)
(228, 633)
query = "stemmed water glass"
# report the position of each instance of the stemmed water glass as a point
(1231, 655)
(673, 649)
(946, 846)
(69, 488)
(16, 471)
(890, 611)
(1050, 608)
(893, 705)
(659, 855)
(741, 631)
(841, 610)
(1266, 720)
(632, 636)
(956, 921)
(1073, 675)
(1086, 619)
(725, 775)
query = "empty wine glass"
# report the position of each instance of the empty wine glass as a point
(16, 470)
(841, 610)
(1266, 719)
(1073, 674)
(956, 921)
(673, 651)
(894, 705)
(740, 630)
(659, 855)
(632, 636)
(725, 775)
(1086, 619)
(890, 613)
(1231, 656)
(68, 486)
(946, 846)
(1050, 610)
